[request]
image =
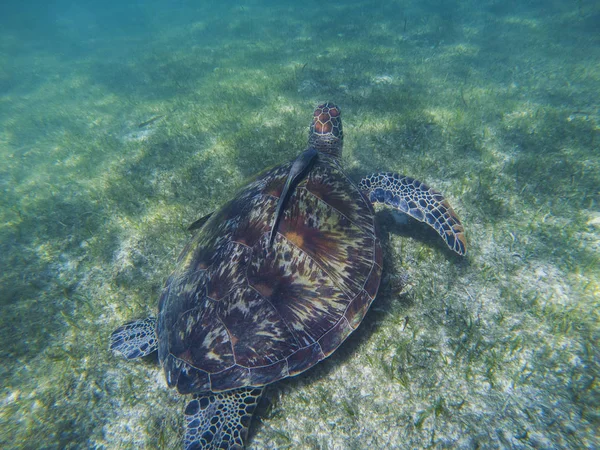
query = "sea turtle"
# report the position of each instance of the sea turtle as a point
(274, 282)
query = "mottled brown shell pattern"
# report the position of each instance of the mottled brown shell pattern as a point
(237, 312)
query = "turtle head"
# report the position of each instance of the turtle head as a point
(326, 134)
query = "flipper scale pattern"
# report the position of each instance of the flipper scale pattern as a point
(418, 201)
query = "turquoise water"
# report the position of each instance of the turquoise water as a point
(121, 123)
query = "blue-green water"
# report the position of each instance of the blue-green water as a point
(123, 122)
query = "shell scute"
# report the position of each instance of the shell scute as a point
(200, 339)
(304, 358)
(372, 283)
(304, 296)
(343, 250)
(185, 378)
(331, 185)
(258, 335)
(357, 309)
(260, 376)
(230, 378)
(253, 224)
(221, 278)
(334, 337)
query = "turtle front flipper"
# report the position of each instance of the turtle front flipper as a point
(419, 201)
(299, 170)
(135, 339)
(220, 420)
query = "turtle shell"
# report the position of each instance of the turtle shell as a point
(236, 312)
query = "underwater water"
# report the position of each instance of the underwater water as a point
(123, 122)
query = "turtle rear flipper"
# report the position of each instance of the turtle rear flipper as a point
(220, 420)
(418, 201)
(135, 339)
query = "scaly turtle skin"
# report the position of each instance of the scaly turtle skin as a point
(274, 282)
